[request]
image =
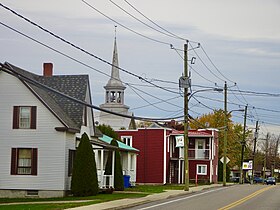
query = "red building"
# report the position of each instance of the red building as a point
(161, 156)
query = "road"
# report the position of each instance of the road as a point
(237, 197)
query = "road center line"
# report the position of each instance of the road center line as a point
(242, 200)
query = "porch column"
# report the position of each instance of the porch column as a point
(128, 163)
(179, 172)
(102, 167)
(113, 168)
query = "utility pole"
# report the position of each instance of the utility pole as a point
(254, 151)
(225, 136)
(266, 148)
(186, 122)
(275, 154)
(243, 147)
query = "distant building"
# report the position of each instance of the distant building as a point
(114, 99)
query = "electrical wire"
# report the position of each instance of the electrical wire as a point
(81, 49)
(69, 57)
(122, 25)
(166, 34)
(10, 71)
(191, 68)
(215, 65)
(206, 65)
(153, 22)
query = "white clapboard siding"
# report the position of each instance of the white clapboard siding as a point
(52, 145)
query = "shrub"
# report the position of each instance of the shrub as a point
(84, 177)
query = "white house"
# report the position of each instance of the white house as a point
(40, 130)
(128, 158)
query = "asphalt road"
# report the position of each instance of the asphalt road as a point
(257, 197)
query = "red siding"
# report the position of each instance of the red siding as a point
(150, 160)
(192, 170)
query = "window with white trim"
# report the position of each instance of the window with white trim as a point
(201, 169)
(127, 140)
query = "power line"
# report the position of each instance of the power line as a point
(215, 65)
(127, 28)
(174, 35)
(69, 57)
(167, 34)
(206, 65)
(10, 71)
(83, 50)
(191, 68)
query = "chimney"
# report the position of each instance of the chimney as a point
(47, 69)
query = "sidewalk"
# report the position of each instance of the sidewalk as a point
(126, 203)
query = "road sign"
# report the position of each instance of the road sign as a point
(227, 160)
(247, 165)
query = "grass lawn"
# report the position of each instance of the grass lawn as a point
(133, 192)
(90, 200)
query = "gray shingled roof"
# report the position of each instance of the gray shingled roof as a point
(68, 112)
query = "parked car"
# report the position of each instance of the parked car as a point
(258, 179)
(270, 180)
(234, 179)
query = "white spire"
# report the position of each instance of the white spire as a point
(115, 75)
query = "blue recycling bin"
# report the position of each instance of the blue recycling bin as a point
(126, 180)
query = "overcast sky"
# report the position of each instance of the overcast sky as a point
(241, 38)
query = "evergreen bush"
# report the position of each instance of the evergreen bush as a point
(118, 173)
(84, 177)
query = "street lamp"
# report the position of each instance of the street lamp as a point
(203, 90)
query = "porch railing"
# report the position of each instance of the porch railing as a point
(105, 181)
(194, 154)
(201, 154)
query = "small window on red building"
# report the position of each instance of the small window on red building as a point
(127, 140)
(201, 169)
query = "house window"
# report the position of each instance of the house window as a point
(127, 140)
(71, 157)
(24, 161)
(24, 117)
(201, 169)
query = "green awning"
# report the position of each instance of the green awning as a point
(122, 146)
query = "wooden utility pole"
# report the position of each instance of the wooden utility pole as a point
(243, 143)
(254, 151)
(186, 122)
(225, 137)
(275, 154)
(266, 148)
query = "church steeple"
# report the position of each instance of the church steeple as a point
(115, 88)
(115, 73)
(114, 97)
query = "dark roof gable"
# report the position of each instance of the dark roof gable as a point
(69, 112)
